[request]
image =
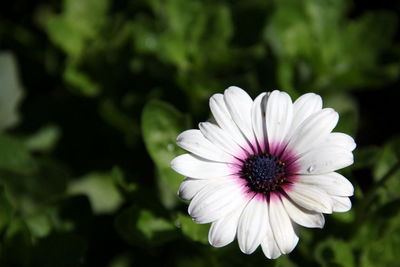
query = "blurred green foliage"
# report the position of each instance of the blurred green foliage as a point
(318, 48)
(161, 124)
(94, 93)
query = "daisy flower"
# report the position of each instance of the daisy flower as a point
(261, 167)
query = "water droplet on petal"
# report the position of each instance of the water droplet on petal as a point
(310, 169)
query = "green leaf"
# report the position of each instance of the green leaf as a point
(39, 225)
(122, 182)
(80, 81)
(318, 48)
(75, 30)
(388, 159)
(11, 91)
(192, 230)
(161, 124)
(382, 252)
(379, 237)
(142, 227)
(119, 120)
(192, 33)
(150, 225)
(14, 156)
(100, 189)
(194, 38)
(166, 184)
(44, 140)
(78, 23)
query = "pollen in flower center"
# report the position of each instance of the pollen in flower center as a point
(263, 172)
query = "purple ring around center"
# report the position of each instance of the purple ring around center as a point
(279, 150)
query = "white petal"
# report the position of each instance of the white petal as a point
(269, 245)
(252, 225)
(315, 128)
(190, 187)
(333, 183)
(220, 138)
(303, 217)
(304, 106)
(282, 227)
(223, 231)
(258, 118)
(310, 197)
(194, 141)
(215, 200)
(324, 159)
(239, 104)
(196, 167)
(279, 114)
(340, 139)
(223, 118)
(341, 204)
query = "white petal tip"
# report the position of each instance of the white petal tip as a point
(173, 164)
(321, 224)
(248, 251)
(181, 194)
(287, 250)
(217, 243)
(234, 87)
(328, 211)
(274, 256)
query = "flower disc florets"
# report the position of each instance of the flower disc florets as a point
(263, 172)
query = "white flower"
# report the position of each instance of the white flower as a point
(262, 166)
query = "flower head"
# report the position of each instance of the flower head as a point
(262, 166)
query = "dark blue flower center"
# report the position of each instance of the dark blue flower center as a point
(263, 172)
